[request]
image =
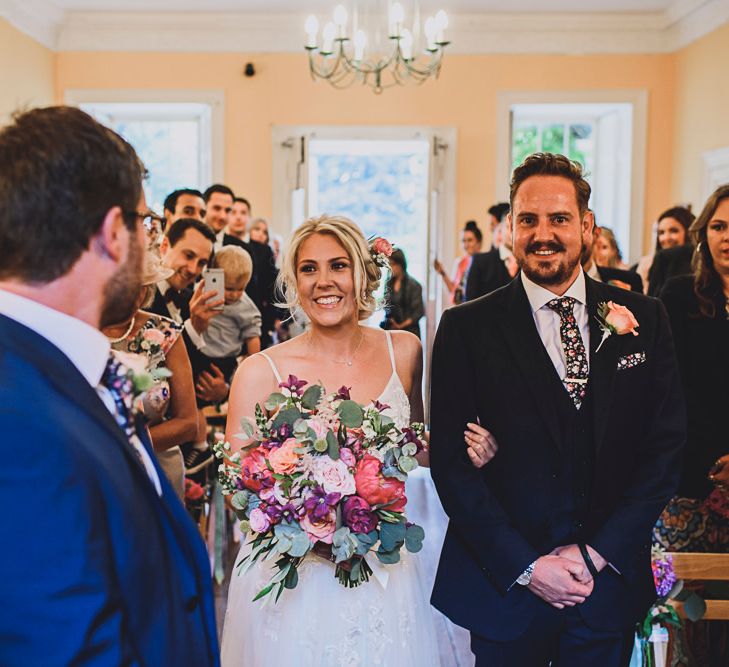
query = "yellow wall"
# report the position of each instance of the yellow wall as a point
(465, 96)
(701, 110)
(26, 72)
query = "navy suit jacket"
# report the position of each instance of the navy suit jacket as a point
(97, 569)
(490, 363)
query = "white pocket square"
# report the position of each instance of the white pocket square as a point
(631, 360)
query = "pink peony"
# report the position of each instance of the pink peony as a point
(254, 472)
(154, 336)
(319, 427)
(259, 520)
(284, 459)
(382, 246)
(620, 319)
(358, 515)
(334, 476)
(320, 530)
(377, 489)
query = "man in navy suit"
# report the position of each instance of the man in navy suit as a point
(100, 563)
(547, 555)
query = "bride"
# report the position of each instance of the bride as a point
(330, 274)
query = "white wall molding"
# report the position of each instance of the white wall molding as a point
(716, 169)
(574, 33)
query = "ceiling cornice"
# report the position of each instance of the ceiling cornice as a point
(575, 33)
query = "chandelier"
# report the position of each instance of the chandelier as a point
(384, 46)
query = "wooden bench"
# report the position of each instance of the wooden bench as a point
(704, 567)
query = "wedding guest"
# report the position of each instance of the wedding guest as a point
(606, 250)
(629, 280)
(471, 238)
(184, 203)
(169, 405)
(497, 213)
(671, 232)
(238, 219)
(697, 305)
(491, 270)
(101, 564)
(259, 231)
(219, 205)
(403, 297)
(236, 329)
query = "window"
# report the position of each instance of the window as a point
(177, 134)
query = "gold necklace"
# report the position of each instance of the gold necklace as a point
(126, 333)
(349, 361)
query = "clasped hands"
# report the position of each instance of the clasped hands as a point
(561, 578)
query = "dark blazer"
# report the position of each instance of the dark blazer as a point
(630, 277)
(667, 264)
(159, 304)
(703, 357)
(404, 305)
(486, 274)
(97, 569)
(489, 363)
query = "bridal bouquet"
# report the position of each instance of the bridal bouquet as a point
(321, 474)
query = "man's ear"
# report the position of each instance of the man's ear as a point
(510, 231)
(112, 239)
(588, 225)
(164, 246)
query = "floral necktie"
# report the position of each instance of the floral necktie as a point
(576, 368)
(116, 378)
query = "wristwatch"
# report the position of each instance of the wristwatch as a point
(525, 578)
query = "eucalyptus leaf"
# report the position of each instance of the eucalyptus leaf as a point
(292, 578)
(239, 501)
(409, 449)
(321, 446)
(311, 396)
(300, 428)
(414, 536)
(274, 400)
(288, 416)
(365, 541)
(332, 446)
(392, 535)
(300, 546)
(394, 472)
(388, 557)
(407, 464)
(350, 414)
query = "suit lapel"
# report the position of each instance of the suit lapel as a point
(526, 346)
(66, 378)
(603, 364)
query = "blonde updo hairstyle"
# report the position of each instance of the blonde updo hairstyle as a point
(366, 273)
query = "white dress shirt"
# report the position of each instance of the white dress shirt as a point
(86, 348)
(548, 321)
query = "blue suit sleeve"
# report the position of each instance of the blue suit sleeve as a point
(61, 602)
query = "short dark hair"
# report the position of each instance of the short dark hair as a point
(171, 199)
(179, 227)
(552, 164)
(243, 200)
(61, 172)
(499, 210)
(217, 187)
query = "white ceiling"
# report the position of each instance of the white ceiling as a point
(275, 26)
(281, 6)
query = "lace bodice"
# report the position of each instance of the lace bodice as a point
(393, 395)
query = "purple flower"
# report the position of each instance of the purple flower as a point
(294, 385)
(318, 504)
(664, 576)
(285, 431)
(343, 393)
(380, 407)
(280, 513)
(358, 516)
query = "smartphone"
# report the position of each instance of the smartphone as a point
(215, 282)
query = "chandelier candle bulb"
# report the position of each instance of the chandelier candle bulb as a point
(311, 27)
(360, 40)
(397, 16)
(328, 35)
(430, 33)
(406, 44)
(441, 23)
(340, 19)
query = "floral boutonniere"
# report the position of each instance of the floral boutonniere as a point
(614, 318)
(139, 376)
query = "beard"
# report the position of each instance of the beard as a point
(122, 290)
(544, 272)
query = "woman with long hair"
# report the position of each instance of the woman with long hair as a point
(471, 239)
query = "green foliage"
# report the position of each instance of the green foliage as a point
(350, 414)
(311, 396)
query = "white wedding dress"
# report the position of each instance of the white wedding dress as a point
(384, 622)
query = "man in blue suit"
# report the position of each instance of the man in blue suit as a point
(100, 563)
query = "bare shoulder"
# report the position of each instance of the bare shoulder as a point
(254, 371)
(408, 349)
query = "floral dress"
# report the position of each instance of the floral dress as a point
(154, 340)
